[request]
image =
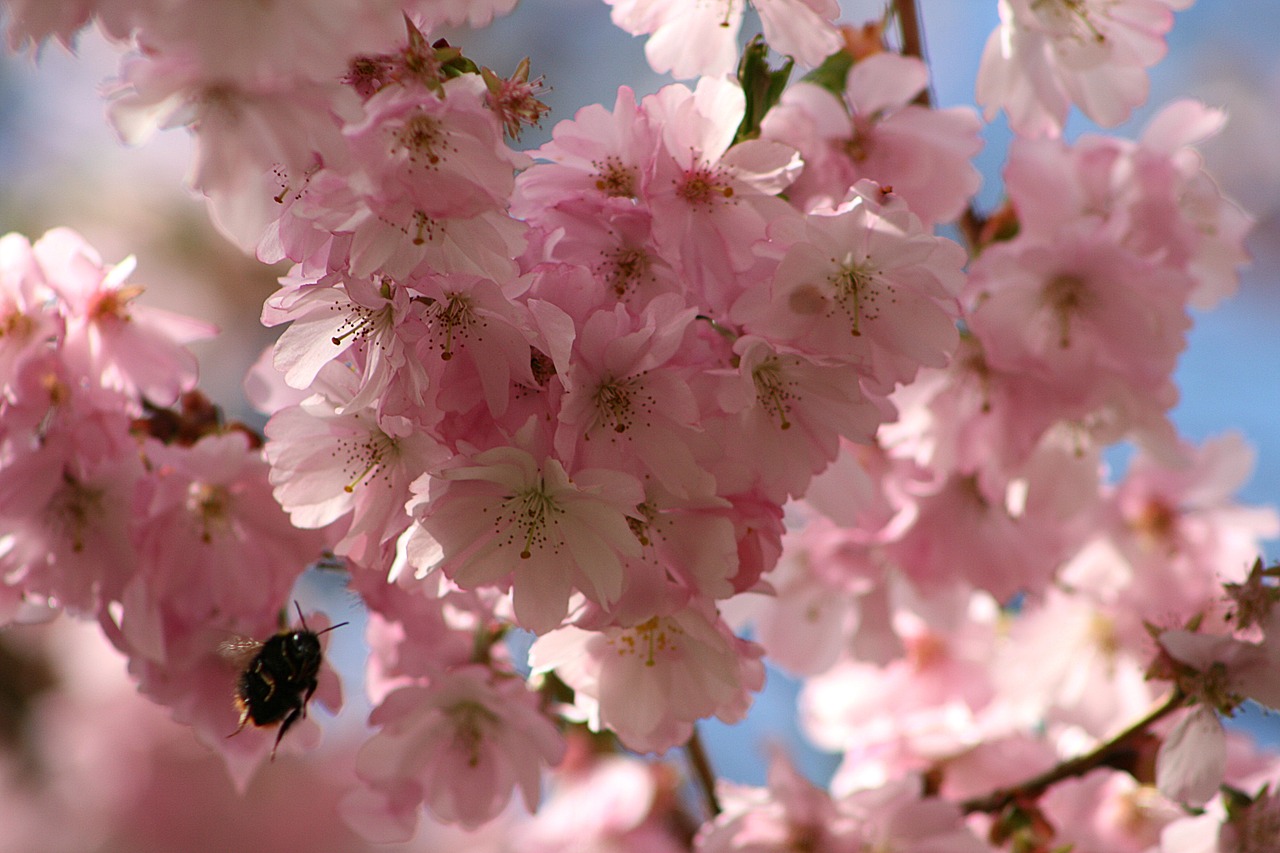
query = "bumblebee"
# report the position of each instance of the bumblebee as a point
(280, 677)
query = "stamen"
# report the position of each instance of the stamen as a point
(771, 390)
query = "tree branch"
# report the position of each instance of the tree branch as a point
(909, 27)
(1100, 756)
(702, 772)
(970, 223)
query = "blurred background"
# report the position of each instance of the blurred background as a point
(61, 164)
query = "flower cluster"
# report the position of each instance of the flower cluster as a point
(125, 498)
(697, 369)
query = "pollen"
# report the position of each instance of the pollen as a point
(858, 146)
(531, 512)
(858, 292)
(471, 720)
(72, 509)
(16, 324)
(772, 390)
(617, 402)
(453, 319)
(211, 506)
(421, 229)
(423, 140)
(704, 186)
(1069, 19)
(114, 304)
(614, 178)
(623, 269)
(1157, 524)
(1066, 296)
(366, 457)
(649, 640)
(362, 324)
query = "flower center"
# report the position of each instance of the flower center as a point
(648, 640)
(531, 512)
(453, 317)
(366, 456)
(614, 399)
(703, 186)
(615, 179)
(1068, 19)
(771, 390)
(422, 138)
(72, 508)
(211, 504)
(857, 294)
(624, 269)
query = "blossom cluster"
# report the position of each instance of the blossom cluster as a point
(126, 500)
(700, 368)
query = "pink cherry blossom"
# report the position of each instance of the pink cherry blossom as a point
(474, 341)
(474, 13)
(335, 315)
(68, 519)
(711, 202)
(137, 349)
(627, 400)
(504, 516)
(598, 154)
(614, 803)
(27, 323)
(32, 22)
(1193, 758)
(794, 409)
(651, 682)
(792, 813)
(246, 126)
(328, 460)
(874, 131)
(432, 176)
(209, 535)
(458, 746)
(1058, 313)
(862, 282)
(1107, 811)
(1152, 195)
(1045, 56)
(691, 39)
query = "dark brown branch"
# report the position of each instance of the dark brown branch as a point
(702, 772)
(1103, 755)
(909, 26)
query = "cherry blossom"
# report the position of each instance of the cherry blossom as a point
(458, 746)
(1045, 56)
(873, 130)
(508, 515)
(650, 682)
(590, 432)
(692, 39)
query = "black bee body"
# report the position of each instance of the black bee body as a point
(280, 679)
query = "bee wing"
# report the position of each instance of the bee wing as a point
(239, 650)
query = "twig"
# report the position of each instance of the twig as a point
(1078, 766)
(970, 223)
(909, 26)
(702, 772)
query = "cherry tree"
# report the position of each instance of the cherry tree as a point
(731, 372)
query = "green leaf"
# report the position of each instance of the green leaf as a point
(761, 84)
(832, 73)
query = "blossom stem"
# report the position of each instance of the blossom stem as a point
(912, 37)
(1107, 753)
(970, 223)
(702, 772)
